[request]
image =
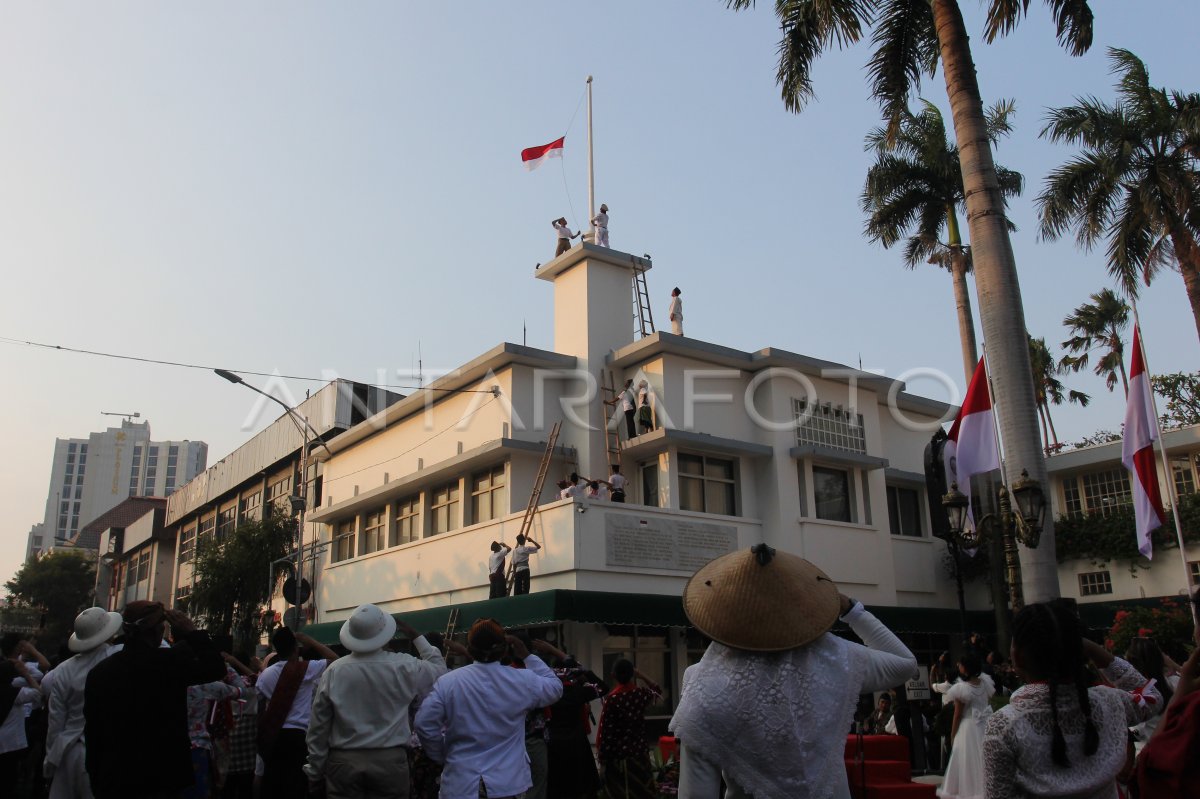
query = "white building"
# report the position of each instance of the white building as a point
(1092, 483)
(89, 476)
(35, 541)
(809, 456)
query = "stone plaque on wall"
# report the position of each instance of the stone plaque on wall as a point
(659, 543)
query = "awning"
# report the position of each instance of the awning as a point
(649, 610)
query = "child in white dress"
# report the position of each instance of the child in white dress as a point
(964, 773)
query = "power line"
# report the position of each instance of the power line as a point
(180, 364)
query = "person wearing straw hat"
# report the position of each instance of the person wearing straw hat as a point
(474, 720)
(770, 701)
(359, 727)
(94, 628)
(564, 235)
(600, 223)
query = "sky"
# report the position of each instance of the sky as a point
(321, 188)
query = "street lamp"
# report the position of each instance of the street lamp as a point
(1025, 526)
(299, 501)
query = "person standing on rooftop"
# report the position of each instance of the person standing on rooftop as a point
(564, 235)
(676, 312)
(600, 223)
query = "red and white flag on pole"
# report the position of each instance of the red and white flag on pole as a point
(532, 157)
(1137, 450)
(971, 446)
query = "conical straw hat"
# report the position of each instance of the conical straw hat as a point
(761, 600)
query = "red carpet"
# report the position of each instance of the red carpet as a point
(888, 775)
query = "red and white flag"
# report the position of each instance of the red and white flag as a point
(971, 446)
(532, 157)
(1137, 450)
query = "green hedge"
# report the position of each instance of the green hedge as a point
(1102, 538)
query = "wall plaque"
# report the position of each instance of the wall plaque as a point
(655, 542)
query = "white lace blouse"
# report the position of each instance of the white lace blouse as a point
(1016, 747)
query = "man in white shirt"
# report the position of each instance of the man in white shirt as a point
(474, 720)
(520, 562)
(564, 235)
(616, 481)
(284, 761)
(496, 570)
(600, 223)
(359, 728)
(64, 763)
(676, 312)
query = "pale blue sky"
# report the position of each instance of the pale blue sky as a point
(316, 186)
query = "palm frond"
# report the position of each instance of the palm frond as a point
(1003, 16)
(998, 119)
(1074, 20)
(906, 50)
(1081, 193)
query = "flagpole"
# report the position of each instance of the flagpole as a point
(591, 167)
(1167, 474)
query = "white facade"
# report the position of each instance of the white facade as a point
(413, 498)
(91, 475)
(1092, 480)
(35, 541)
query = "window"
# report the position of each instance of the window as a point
(649, 472)
(131, 572)
(827, 425)
(489, 495)
(143, 565)
(904, 511)
(1093, 583)
(248, 507)
(71, 448)
(343, 540)
(280, 488)
(206, 528)
(443, 509)
(407, 525)
(706, 484)
(1106, 490)
(1185, 480)
(187, 544)
(831, 493)
(1071, 500)
(1194, 572)
(374, 531)
(182, 593)
(226, 518)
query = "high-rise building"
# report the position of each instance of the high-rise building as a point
(35, 542)
(92, 475)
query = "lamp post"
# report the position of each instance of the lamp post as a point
(299, 500)
(1025, 525)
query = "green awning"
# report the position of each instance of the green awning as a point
(650, 610)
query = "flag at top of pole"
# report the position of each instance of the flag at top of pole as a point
(1137, 450)
(971, 447)
(533, 157)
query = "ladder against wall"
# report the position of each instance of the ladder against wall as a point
(531, 508)
(641, 303)
(610, 397)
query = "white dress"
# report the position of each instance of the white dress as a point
(964, 773)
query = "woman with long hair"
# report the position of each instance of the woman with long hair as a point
(964, 772)
(1060, 735)
(1145, 656)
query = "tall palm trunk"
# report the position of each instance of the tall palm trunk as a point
(1053, 432)
(962, 297)
(1000, 307)
(1187, 253)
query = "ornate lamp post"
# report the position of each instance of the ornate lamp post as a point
(1025, 526)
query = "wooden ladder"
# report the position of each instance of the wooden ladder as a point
(612, 435)
(641, 302)
(531, 509)
(452, 624)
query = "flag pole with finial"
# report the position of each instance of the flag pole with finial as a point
(591, 168)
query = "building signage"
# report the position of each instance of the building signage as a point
(661, 543)
(918, 688)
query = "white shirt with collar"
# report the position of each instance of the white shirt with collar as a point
(474, 723)
(362, 701)
(298, 715)
(496, 560)
(12, 727)
(63, 687)
(521, 555)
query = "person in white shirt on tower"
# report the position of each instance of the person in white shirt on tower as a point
(616, 480)
(496, 570)
(600, 223)
(676, 312)
(474, 720)
(359, 728)
(564, 235)
(520, 562)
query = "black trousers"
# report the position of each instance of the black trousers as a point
(283, 773)
(520, 582)
(499, 586)
(630, 427)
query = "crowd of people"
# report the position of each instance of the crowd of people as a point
(149, 707)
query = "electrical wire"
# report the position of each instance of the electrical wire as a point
(562, 161)
(415, 446)
(182, 365)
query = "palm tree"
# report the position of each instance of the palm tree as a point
(1136, 183)
(915, 187)
(1049, 390)
(1098, 325)
(909, 38)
